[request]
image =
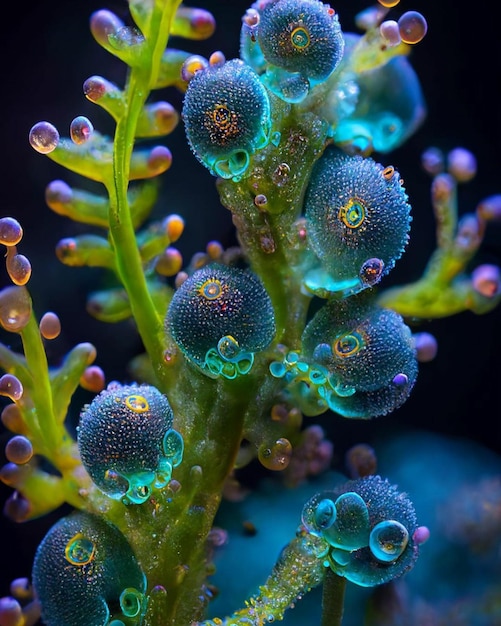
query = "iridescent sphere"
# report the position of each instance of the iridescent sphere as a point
(370, 532)
(358, 221)
(413, 27)
(370, 348)
(127, 443)
(219, 317)
(300, 37)
(85, 573)
(226, 113)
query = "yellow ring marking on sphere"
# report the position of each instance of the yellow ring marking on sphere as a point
(137, 403)
(300, 38)
(352, 214)
(211, 289)
(348, 344)
(79, 550)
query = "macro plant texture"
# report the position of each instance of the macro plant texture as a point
(184, 465)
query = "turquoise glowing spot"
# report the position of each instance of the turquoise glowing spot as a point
(325, 514)
(351, 528)
(121, 438)
(389, 107)
(85, 571)
(388, 540)
(300, 38)
(131, 601)
(353, 213)
(357, 220)
(226, 113)
(219, 318)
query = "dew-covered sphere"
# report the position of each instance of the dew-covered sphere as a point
(371, 360)
(219, 317)
(371, 532)
(358, 219)
(85, 574)
(226, 112)
(301, 37)
(125, 439)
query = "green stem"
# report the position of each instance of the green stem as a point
(122, 231)
(53, 439)
(297, 571)
(333, 599)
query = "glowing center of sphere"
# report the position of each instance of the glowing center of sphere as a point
(300, 38)
(79, 550)
(225, 120)
(137, 403)
(352, 214)
(211, 289)
(348, 345)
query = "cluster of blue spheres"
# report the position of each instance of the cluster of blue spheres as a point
(368, 527)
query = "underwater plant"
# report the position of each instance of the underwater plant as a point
(206, 389)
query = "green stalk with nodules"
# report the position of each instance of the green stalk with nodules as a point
(129, 265)
(270, 232)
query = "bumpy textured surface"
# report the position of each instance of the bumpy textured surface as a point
(294, 45)
(368, 353)
(125, 441)
(356, 210)
(368, 526)
(81, 569)
(221, 315)
(357, 359)
(303, 37)
(226, 113)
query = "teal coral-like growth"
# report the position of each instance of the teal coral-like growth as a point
(369, 528)
(85, 572)
(240, 345)
(219, 317)
(126, 442)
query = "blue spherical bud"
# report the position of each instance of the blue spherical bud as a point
(126, 441)
(301, 36)
(85, 574)
(370, 541)
(226, 113)
(371, 365)
(358, 222)
(219, 317)
(302, 44)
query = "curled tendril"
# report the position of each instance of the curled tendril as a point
(358, 221)
(368, 527)
(226, 113)
(127, 443)
(219, 317)
(85, 573)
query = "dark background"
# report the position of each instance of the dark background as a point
(48, 52)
